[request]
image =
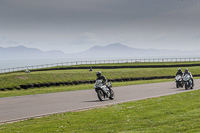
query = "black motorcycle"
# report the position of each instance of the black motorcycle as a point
(104, 90)
(179, 81)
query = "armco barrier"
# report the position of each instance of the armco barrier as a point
(116, 67)
(94, 62)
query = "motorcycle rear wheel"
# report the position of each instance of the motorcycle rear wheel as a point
(192, 86)
(181, 85)
(186, 87)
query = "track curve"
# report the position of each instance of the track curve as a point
(24, 107)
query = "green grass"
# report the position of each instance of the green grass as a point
(10, 93)
(16, 79)
(166, 114)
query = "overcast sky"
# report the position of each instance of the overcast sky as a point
(76, 25)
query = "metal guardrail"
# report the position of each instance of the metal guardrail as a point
(98, 62)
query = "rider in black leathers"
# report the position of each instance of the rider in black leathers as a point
(101, 77)
(189, 73)
(179, 72)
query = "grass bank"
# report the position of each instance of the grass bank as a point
(174, 113)
(20, 78)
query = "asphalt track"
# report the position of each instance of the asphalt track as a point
(24, 107)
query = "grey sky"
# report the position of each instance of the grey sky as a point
(76, 25)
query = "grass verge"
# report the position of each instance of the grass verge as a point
(174, 113)
(16, 79)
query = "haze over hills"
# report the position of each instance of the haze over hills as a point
(119, 50)
(21, 52)
(112, 50)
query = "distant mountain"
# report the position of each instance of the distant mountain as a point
(113, 50)
(119, 50)
(21, 52)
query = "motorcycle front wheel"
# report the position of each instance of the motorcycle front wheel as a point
(112, 95)
(100, 95)
(186, 87)
(177, 85)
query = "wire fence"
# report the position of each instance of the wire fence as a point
(74, 63)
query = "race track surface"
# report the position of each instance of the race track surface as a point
(23, 107)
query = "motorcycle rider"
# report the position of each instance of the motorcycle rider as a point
(104, 80)
(101, 77)
(189, 73)
(27, 71)
(179, 72)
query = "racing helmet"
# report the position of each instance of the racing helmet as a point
(98, 73)
(186, 71)
(179, 69)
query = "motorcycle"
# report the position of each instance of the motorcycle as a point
(27, 71)
(104, 91)
(188, 82)
(179, 81)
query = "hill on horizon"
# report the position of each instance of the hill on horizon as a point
(115, 50)
(21, 52)
(120, 50)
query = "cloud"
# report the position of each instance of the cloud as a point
(197, 36)
(4, 41)
(12, 42)
(86, 38)
(60, 24)
(160, 37)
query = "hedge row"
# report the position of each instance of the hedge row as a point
(116, 67)
(38, 85)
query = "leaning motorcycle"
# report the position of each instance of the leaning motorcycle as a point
(179, 81)
(188, 82)
(104, 91)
